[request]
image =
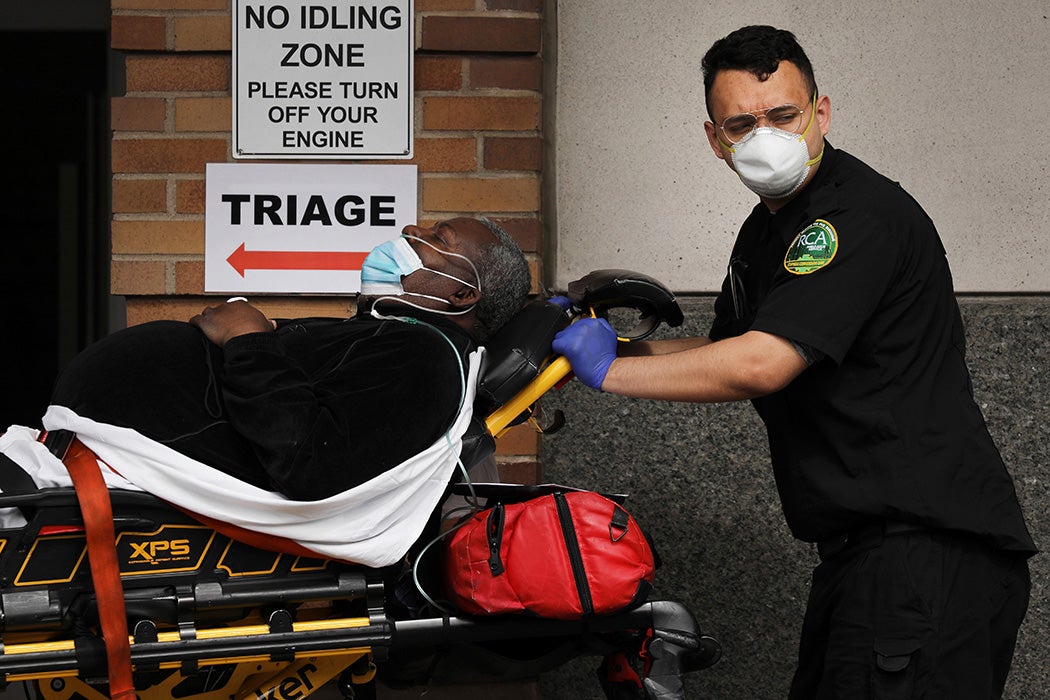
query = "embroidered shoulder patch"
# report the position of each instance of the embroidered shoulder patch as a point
(812, 249)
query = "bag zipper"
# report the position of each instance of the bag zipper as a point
(572, 545)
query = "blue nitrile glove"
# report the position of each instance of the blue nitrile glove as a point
(563, 301)
(590, 346)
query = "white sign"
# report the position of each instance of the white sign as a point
(315, 80)
(300, 229)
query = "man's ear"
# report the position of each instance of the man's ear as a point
(712, 139)
(824, 114)
(466, 296)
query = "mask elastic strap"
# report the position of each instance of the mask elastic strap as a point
(812, 118)
(817, 159)
(376, 314)
(446, 253)
(451, 277)
(802, 136)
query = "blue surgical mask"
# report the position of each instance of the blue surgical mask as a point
(383, 268)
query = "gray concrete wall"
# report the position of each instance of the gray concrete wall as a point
(945, 96)
(701, 484)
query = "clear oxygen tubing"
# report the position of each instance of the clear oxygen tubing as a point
(472, 500)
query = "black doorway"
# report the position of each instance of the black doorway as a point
(54, 270)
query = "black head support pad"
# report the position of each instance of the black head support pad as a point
(602, 290)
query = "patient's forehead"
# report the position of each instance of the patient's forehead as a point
(465, 226)
(471, 235)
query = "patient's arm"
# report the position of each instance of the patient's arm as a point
(229, 320)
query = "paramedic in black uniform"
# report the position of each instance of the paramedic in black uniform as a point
(311, 407)
(838, 320)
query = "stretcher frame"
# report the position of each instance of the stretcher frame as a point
(212, 618)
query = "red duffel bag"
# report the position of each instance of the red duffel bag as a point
(562, 556)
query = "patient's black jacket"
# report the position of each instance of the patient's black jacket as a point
(313, 409)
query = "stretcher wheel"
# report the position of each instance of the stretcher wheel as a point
(362, 671)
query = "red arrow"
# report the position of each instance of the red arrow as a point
(242, 260)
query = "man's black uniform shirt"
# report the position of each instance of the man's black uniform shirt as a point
(315, 408)
(884, 424)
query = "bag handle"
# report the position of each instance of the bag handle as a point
(620, 524)
(494, 534)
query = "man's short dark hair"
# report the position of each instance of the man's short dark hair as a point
(757, 49)
(505, 281)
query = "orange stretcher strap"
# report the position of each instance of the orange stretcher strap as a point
(97, 512)
(259, 540)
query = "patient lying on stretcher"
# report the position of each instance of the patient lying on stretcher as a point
(312, 409)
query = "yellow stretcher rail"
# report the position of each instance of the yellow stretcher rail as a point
(238, 632)
(500, 419)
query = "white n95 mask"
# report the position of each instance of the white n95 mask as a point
(773, 163)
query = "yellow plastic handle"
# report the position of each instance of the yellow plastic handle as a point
(553, 373)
